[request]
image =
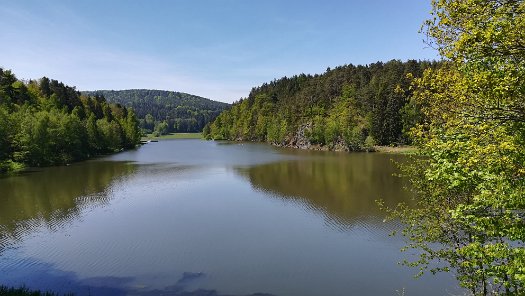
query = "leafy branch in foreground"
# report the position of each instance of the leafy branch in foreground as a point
(470, 178)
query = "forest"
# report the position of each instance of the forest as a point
(162, 112)
(44, 122)
(348, 108)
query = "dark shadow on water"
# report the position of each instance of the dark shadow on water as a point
(45, 277)
(198, 293)
(181, 288)
(37, 275)
(186, 279)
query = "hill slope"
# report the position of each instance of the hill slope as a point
(166, 111)
(346, 108)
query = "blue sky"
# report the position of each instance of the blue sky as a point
(217, 49)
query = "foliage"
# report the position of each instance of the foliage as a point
(46, 123)
(166, 111)
(342, 107)
(471, 180)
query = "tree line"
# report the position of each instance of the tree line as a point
(349, 107)
(44, 122)
(162, 112)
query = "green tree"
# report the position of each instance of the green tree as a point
(73, 139)
(161, 128)
(149, 122)
(48, 123)
(471, 181)
(340, 107)
(7, 92)
(111, 135)
(132, 130)
(5, 139)
(93, 134)
(33, 144)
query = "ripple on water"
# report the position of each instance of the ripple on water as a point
(300, 226)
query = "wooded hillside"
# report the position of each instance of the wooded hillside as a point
(346, 108)
(166, 111)
(44, 122)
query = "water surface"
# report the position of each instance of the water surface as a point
(190, 217)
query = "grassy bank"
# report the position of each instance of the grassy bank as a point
(5, 291)
(174, 136)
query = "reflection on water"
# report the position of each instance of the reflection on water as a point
(54, 196)
(203, 218)
(46, 277)
(341, 186)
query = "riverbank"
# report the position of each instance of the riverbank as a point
(303, 144)
(299, 141)
(10, 168)
(407, 150)
(341, 147)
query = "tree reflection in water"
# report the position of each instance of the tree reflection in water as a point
(55, 196)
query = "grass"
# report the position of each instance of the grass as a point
(5, 291)
(175, 136)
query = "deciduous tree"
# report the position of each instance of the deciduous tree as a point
(470, 183)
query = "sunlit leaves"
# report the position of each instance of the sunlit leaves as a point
(47, 123)
(471, 181)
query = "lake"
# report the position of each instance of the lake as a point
(191, 217)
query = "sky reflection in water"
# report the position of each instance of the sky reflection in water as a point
(208, 218)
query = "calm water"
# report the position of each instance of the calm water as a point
(189, 217)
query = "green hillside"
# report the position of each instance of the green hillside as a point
(346, 108)
(166, 111)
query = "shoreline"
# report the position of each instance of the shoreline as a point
(18, 168)
(171, 136)
(404, 149)
(339, 146)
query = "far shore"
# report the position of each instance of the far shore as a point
(380, 149)
(174, 136)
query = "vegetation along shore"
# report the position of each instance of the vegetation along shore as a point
(44, 122)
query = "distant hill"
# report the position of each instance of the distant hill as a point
(166, 111)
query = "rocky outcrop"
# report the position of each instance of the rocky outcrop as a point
(300, 140)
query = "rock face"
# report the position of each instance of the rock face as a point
(340, 145)
(300, 140)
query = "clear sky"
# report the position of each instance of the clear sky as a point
(217, 49)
